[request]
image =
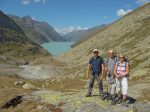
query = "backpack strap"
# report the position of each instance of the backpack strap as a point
(99, 58)
(107, 60)
(92, 58)
(116, 59)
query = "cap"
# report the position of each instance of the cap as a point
(95, 50)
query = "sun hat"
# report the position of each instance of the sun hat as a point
(121, 56)
(95, 50)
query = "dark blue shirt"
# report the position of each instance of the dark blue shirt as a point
(96, 64)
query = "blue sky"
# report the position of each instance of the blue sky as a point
(67, 13)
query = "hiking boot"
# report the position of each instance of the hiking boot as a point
(113, 101)
(109, 97)
(102, 97)
(88, 95)
(119, 101)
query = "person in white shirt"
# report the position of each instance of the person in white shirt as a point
(121, 72)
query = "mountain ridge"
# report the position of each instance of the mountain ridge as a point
(78, 35)
(38, 31)
(14, 43)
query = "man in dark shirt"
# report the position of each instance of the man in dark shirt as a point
(96, 67)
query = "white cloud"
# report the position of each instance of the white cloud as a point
(63, 31)
(25, 2)
(33, 18)
(39, 1)
(122, 12)
(142, 1)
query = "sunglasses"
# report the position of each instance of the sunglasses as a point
(111, 53)
(95, 52)
(121, 57)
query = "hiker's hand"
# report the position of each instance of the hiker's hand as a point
(117, 76)
(87, 77)
(107, 72)
(122, 75)
(114, 76)
(101, 78)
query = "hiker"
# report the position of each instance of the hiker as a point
(96, 66)
(121, 72)
(110, 62)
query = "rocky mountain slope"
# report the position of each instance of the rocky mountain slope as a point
(14, 43)
(129, 35)
(38, 32)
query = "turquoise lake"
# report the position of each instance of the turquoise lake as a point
(57, 48)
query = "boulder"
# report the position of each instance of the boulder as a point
(29, 86)
(19, 83)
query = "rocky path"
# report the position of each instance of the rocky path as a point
(77, 102)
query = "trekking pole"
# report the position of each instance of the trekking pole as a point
(106, 82)
(106, 85)
(106, 88)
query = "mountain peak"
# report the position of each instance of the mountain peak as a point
(13, 36)
(28, 18)
(37, 31)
